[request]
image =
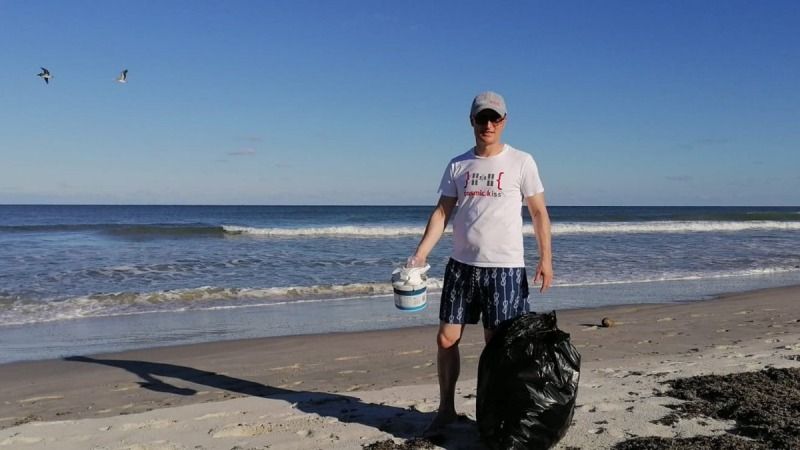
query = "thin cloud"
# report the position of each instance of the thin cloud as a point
(704, 142)
(243, 152)
(712, 141)
(679, 177)
(747, 182)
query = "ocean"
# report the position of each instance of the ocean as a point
(90, 279)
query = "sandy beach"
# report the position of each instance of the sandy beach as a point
(378, 389)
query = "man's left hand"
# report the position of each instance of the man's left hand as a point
(544, 272)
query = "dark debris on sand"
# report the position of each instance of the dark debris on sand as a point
(724, 442)
(765, 406)
(411, 444)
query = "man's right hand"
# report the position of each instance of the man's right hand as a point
(415, 261)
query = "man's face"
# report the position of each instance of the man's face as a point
(488, 126)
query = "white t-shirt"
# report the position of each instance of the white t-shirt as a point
(487, 225)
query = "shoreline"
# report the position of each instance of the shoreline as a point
(394, 371)
(193, 348)
(119, 333)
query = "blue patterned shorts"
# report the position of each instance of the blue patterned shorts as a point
(496, 294)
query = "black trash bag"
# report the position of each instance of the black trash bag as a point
(527, 384)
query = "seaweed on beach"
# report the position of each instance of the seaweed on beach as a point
(723, 442)
(411, 444)
(764, 404)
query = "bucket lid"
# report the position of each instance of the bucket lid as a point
(410, 275)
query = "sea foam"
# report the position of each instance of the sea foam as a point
(570, 228)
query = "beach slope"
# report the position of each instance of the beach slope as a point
(353, 390)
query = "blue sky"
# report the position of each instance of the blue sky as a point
(345, 102)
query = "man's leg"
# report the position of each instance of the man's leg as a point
(448, 366)
(509, 290)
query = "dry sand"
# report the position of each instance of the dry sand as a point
(350, 390)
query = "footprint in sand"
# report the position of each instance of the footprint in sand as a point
(662, 371)
(356, 387)
(294, 366)
(347, 358)
(154, 445)
(726, 347)
(8, 419)
(127, 387)
(410, 352)
(422, 366)
(665, 319)
(742, 313)
(150, 425)
(39, 399)
(16, 440)
(239, 430)
(218, 415)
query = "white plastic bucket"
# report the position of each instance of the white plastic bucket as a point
(410, 288)
(409, 299)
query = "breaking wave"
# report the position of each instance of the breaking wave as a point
(19, 311)
(152, 231)
(557, 228)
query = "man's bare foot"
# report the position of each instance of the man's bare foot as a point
(439, 422)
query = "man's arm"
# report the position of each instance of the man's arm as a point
(435, 228)
(541, 227)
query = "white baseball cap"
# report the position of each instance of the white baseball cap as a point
(488, 100)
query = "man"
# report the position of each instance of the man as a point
(483, 191)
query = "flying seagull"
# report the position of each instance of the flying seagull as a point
(123, 76)
(45, 74)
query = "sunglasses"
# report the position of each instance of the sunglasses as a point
(483, 119)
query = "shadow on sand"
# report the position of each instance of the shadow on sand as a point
(399, 422)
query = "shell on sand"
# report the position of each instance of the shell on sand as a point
(607, 323)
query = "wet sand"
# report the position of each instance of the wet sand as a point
(350, 390)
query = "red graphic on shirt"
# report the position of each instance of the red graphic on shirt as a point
(477, 181)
